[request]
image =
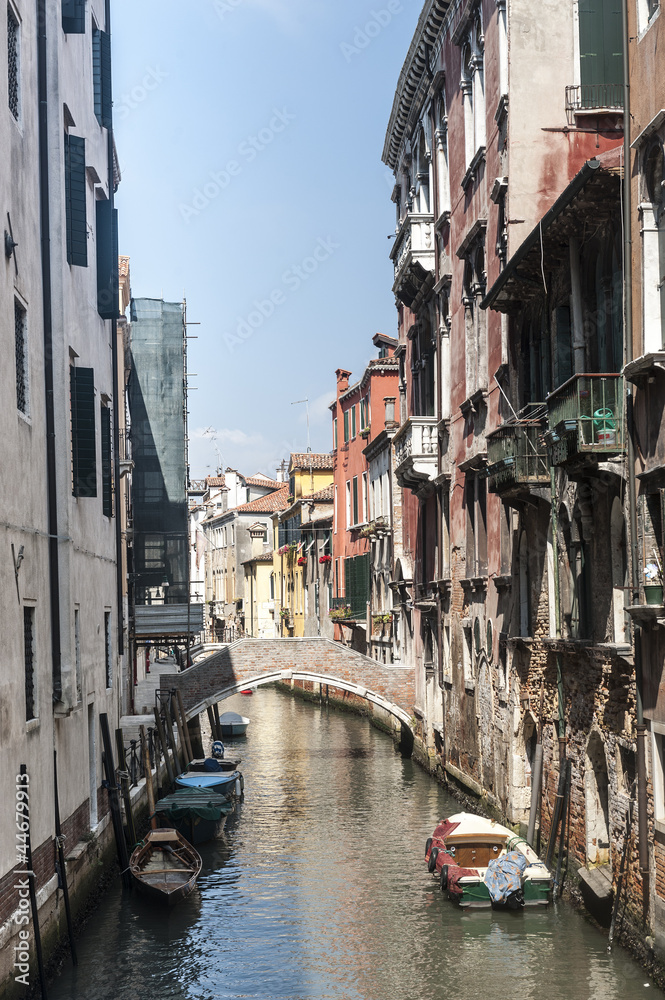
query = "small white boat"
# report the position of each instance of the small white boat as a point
(233, 724)
(481, 863)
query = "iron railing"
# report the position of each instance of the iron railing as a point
(586, 413)
(594, 97)
(517, 455)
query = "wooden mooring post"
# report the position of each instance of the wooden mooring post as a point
(123, 774)
(112, 789)
(162, 740)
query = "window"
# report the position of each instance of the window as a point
(346, 426)
(13, 64)
(335, 434)
(77, 655)
(101, 73)
(353, 421)
(106, 240)
(21, 356)
(107, 649)
(107, 479)
(84, 459)
(601, 51)
(75, 201)
(475, 500)
(348, 503)
(355, 500)
(659, 772)
(153, 552)
(475, 319)
(29, 662)
(365, 513)
(357, 584)
(472, 86)
(73, 17)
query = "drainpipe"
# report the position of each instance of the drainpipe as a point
(632, 501)
(51, 485)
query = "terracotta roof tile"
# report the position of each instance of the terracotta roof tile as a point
(262, 481)
(310, 460)
(215, 481)
(268, 504)
(325, 494)
(265, 557)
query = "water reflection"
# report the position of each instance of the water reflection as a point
(319, 890)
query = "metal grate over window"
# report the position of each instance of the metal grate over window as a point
(21, 357)
(29, 661)
(12, 62)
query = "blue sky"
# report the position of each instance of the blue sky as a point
(249, 135)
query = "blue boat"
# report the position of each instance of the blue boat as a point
(223, 782)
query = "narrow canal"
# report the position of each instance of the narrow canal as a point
(319, 890)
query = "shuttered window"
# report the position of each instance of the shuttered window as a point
(73, 17)
(346, 426)
(84, 459)
(107, 480)
(13, 63)
(355, 500)
(75, 195)
(106, 238)
(101, 73)
(353, 421)
(601, 42)
(29, 662)
(356, 584)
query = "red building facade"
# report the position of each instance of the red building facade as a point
(359, 414)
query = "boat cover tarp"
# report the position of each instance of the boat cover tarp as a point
(443, 830)
(504, 875)
(189, 803)
(455, 873)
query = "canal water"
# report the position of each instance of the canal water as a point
(319, 891)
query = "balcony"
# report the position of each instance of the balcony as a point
(517, 455)
(586, 419)
(594, 99)
(416, 458)
(413, 257)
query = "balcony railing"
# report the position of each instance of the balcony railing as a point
(586, 417)
(413, 255)
(517, 455)
(416, 447)
(594, 97)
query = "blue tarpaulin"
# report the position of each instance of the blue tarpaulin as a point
(504, 875)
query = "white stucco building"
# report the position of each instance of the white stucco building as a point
(59, 586)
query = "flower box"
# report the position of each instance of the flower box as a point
(302, 561)
(325, 559)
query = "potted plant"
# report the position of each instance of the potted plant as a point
(302, 561)
(325, 559)
(653, 587)
(285, 614)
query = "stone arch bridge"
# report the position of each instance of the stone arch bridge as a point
(253, 662)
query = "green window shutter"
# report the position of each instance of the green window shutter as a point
(346, 426)
(601, 42)
(107, 481)
(75, 195)
(356, 584)
(84, 457)
(353, 420)
(335, 434)
(73, 17)
(106, 236)
(355, 500)
(101, 74)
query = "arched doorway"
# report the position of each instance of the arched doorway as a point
(596, 787)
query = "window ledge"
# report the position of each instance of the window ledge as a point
(502, 109)
(659, 826)
(31, 725)
(470, 686)
(472, 169)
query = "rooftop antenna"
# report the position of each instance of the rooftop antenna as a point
(212, 434)
(306, 401)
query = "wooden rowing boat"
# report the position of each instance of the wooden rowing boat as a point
(165, 866)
